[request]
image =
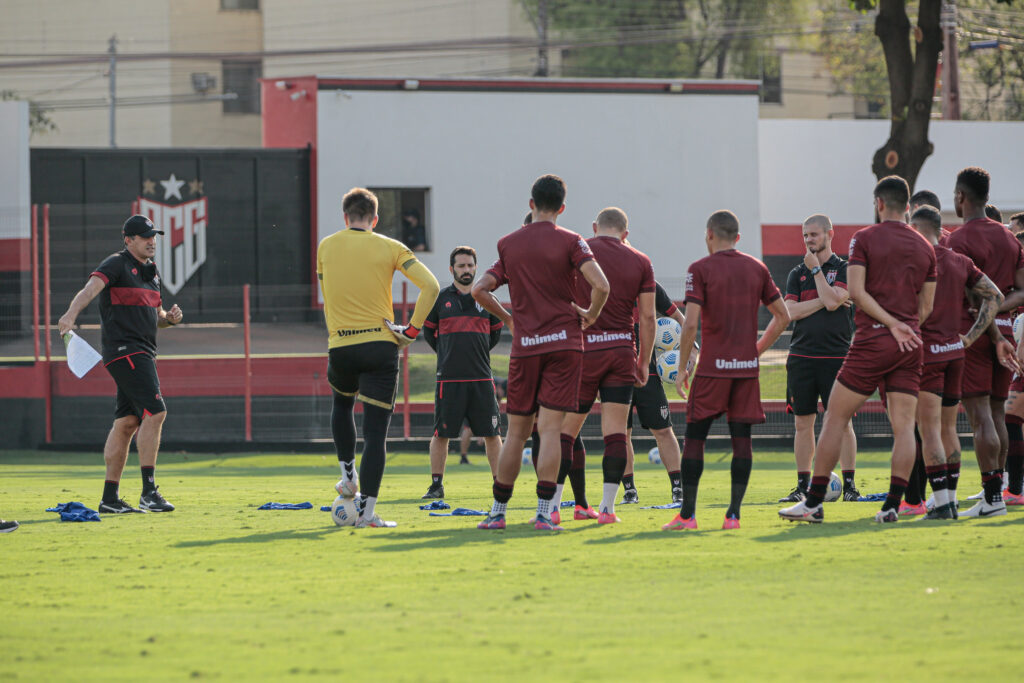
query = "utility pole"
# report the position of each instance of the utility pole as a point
(542, 33)
(950, 65)
(113, 90)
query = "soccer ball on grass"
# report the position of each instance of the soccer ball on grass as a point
(835, 488)
(344, 511)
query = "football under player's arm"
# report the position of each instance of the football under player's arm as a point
(989, 297)
(687, 342)
(645, 306)
(777, 325)
(1015, 299)
(92, 287)
(421, 276)
(903, 333)
(483, 293)
(599, 290)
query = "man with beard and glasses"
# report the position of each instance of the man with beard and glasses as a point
(463, 334)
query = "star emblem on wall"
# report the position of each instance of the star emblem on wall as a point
(195, 186)
(172, 187)
(148, 186)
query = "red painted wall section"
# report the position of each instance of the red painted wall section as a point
(788, 240)
(15, 255)
(289, 111)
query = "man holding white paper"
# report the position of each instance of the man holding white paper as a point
(131, 310)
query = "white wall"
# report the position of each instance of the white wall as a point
(14, 171)
(825, 166)
(668, 160)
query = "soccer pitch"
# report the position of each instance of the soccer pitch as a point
(220, 590)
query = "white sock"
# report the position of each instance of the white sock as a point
(556, 502)
(543, 508)
(608, 498)
(941, 497)
(368, 508)
(498, 508)
(348, 470)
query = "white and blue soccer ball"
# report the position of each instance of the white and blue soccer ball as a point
(654, 456)
(835, 488)
(344, 511)
(1018, 328)
(527, 456)
(666, 335)
(668, 366)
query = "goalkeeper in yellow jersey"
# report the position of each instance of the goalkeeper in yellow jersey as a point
(355, 267)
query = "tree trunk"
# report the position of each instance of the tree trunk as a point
(911, 86)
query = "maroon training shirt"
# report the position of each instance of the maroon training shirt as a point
(629, 274)
(729, 286)
(898, 262)
(538, 262)
(997, 253)
(941, 329)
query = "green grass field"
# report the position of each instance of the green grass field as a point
(219, 590)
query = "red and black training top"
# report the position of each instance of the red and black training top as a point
(129, 306)
(463, 334)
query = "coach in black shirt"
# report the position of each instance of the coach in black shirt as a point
(819, 303)
(463, 334)
(130, 312)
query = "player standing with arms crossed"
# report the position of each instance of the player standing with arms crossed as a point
(892, 282)
(817, 299)
(726, 290)
(611, 364)
(938, 402)
(355, 267)
(463, 334)
(539, 263)
(990, 362)
(131, 310)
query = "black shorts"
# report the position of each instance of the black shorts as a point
(368, 371)
(807, 380)
(651, 404)
(472, 402)
(138, 386)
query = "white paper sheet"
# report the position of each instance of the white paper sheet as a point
(81, 356)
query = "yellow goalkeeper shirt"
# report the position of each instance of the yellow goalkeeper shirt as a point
(355, 268)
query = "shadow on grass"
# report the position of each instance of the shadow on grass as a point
(285, 535)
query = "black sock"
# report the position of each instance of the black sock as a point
(692, 468)
(148, 483)
(848, 484)
(565, 464)
(913, 493)
(992, 482)
(375, 433)
(110, 491)
(676, 477)
(535, 448)
(803, 480)
(1015, 458)
(816, 491)
(740, 471)
(627, 482)
(343, 427)
(953, 472)
(897, 486)
(436, 479)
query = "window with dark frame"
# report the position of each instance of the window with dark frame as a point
(241, 77)
(239, 4)
(402, 215)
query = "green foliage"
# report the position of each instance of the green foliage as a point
(992, 80)
(854, 57)
(668, 38)
(39, 121)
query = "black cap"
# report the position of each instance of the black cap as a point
(141, 226)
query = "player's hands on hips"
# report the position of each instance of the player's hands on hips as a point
(905, 337)
(175, 315)
(404, 334)
(587, 317)
(66, 323)
(1007, 355)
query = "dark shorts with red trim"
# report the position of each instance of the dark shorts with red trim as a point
(737, 397)
(610, 373)
(807, 380)
(943, 378)
(368, 371)
(983, 374)
(651, 404)
(471, 401)
(878, 361)
(138, 386)
(551, 380)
